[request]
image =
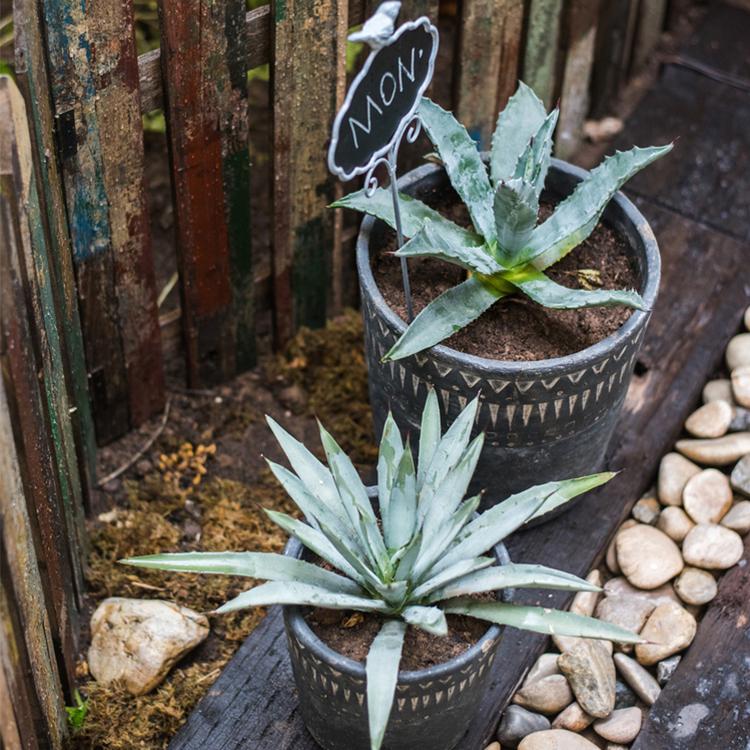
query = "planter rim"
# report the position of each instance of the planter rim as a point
(518, 367)
(356, 669)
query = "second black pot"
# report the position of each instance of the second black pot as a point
(544, 420)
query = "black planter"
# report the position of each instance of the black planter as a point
(544, 420)
(433, 707)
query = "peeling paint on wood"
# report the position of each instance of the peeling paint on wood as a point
(203, 48)
(488, 61)
(94, 83)
(308, 87)
(579, 59)
(540, 54)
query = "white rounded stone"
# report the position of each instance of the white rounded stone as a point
(556, 739)
(573, 718)
(544, 666)
(590, 671)
(622, 725)
(648, 557)
(629, 612)
(710, 420)
(718, 390)
(707, 496)
(712, 547)
(611, 557)
(695, 586)
(741, 385)
(669, 629)
(620, 586)
(646, 510)
(674, 522)
(738, 518)
(548, 695)
(584, 602)
(717, 451)
(638, 678)
(740, 477)
(746, 318)
(738, 351)
(674, 472)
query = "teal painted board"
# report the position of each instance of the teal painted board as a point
(93, 77)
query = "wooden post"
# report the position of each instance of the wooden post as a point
(651, 19)
(540, 54)
(579, 60)
(203, 56)
(32, 79)
(93, 76)
(308, 76)
(488, 62)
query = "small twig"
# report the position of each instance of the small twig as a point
(167, 289)
(116, 473)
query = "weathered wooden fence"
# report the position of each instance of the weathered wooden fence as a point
(80, 342)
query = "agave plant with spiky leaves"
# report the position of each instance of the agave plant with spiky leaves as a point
(419, 557)
(506, 251)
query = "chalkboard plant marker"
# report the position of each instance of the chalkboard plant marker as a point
(381, 107)
(412, 559)
(545, 417)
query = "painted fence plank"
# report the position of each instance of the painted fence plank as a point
(94, 84)
(33, 364)
(32, 79)
(651, 18)
(27, 471)
(203, 50)
(308, 87)
(579, 59)
(540, 54)
(488, 62)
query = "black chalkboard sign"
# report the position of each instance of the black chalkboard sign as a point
(382, 98)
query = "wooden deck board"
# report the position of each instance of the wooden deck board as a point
(704, 290)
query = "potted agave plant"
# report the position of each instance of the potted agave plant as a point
(415, 558)
(524, 213)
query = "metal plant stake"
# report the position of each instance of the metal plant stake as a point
(381, 105)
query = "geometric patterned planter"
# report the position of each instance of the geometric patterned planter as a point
(544, 420)
(433, 707)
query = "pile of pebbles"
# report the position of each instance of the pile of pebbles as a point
(660, 571)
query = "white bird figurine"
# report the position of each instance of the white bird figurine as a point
(379, 28)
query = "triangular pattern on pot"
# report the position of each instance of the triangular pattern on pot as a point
(443, 369)
(469, 378)
(498, 385)
(574, 377)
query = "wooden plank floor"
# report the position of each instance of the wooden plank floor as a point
(703, 237)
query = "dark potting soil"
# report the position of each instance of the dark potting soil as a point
(515, 328)
(352, 634)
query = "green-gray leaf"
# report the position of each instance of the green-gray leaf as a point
(540, 620)
(459, 570)
(414, 214)
(381, 668)
(463, 164)
(429, 436)
(534, 162)
(389, 455)
(303, 594)
(515, 213)
(444, 316)
(516, 124)
(543, 290)
(575, 218)
(402, 511)
(430, 619)
(267, 566)
(430, 243)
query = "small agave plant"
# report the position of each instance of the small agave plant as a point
(507, 251)
(417, 556)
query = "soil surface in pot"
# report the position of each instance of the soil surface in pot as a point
(352, 634)
(515, 328)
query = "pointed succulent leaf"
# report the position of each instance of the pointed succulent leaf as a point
(402, 511)
(516, 124)
(540, 620)
(316, 542)
(570, 488)
(463, 164)
(512, 575)
(381, 669)
(575, 218)
(435, 545)
(312, 472)
(429, 435)
(365, 568)
(534, 163)
(267, 566)
(430, 243)
(407, 557)
(459, 570)
(389, 456)
(303, 594)
(430, 619)
(445, 315)
(515, 213)
(414, 214)
(539, 287)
